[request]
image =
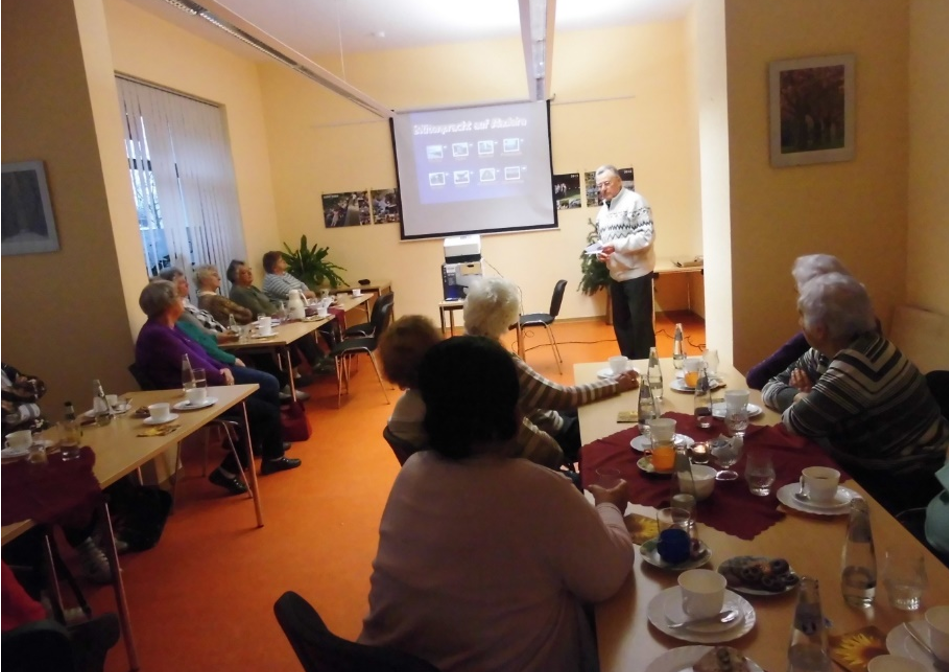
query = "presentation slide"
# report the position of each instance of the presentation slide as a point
(474, 170)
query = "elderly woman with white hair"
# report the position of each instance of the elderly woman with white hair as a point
(805, 268)
(858, 396)
(491, 307)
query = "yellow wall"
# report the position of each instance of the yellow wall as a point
(314, 150)
(927, 280)
(156, 51)
(62, 312)
(856, 209)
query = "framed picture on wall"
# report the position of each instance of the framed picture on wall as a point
(811, 110)
(27, 213)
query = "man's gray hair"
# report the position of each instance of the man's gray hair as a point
(157, 297)
(810, 266)
(171, 273)
(203, 272)
(606, 169)
(491, 307)
(839, 303)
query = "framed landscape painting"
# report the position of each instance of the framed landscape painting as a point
(812, 110)
(27, 213)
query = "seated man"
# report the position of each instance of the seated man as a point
(246, 294)
(857, 395)
(401, 348)
(492, 306)
(277, 286)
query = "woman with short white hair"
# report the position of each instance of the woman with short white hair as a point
(492, 307)
(858, 396)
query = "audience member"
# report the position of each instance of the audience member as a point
(159, 351)
(491, 307)
(278, 285)
(472, 571)
(217, 306)
(805, 268)
(401, 348)
(860, 397)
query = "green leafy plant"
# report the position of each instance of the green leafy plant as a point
(310, 265)
(594, 274)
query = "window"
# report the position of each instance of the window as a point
(182, 179)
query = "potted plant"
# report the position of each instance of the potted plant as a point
(594, 275)
(310, 265)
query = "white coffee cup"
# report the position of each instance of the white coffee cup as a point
(321, 310)
(196, 396)
(888, 663)
(703, 592)
(19, 440)
(112, 400)
(820, 483)
(357, 292)
(159, 412)
(618, 364)
(265, 326)
(735, 400)
(937, 619)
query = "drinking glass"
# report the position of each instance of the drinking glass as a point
(711, 361)
(607, 477)
(200, 378)
(70, 437)
(727, 453)
(736, 420)
(759, 472)
(904, 575)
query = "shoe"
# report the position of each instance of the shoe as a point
(268, 467)
(285, 395)
(325, 366)
(233, 485)
(93, 562)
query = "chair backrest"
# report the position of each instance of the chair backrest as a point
(142, 378)
(381, 302)
(557, 299)
(381, 318)
(403, 449)
(319, 650)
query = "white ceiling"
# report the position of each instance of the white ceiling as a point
(319, 27)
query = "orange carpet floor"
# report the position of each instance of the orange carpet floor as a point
(203, 598)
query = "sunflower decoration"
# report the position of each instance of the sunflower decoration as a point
(855, 650)
(641, 528)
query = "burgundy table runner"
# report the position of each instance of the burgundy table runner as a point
(340, 314)
(731, 508)
(58, 492)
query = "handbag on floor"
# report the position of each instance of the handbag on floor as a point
(296, 426)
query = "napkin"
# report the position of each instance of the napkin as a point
(641, 528)
(160, 430)
(854, 650)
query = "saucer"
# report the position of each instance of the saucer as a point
(9, 453)
(650, 554)
(645, 464)
(640, 443)
(682, 659)
(187, 406)
(150, 421)
(604, 374)
(679, 385)
(668, 605)
(718, 410)
(837, 507)
(263, 336)
(900, 643)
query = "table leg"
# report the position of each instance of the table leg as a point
(255, 490)
(293, 387)
(119, 587)
(451, 321)
(441, 318)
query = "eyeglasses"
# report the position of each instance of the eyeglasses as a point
(600, 185)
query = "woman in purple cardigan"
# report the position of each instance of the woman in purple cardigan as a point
(159, 351)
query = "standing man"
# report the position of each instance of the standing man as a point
(626, 231)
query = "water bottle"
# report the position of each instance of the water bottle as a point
(858, 577)
(187, 374)
(232, 325)
(654, 375)
(703, 400)
(647, 407)
(100, 404)
(678, 349)
(807, 650)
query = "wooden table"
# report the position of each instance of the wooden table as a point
(812, 545)
(374, 288)
(119, 452)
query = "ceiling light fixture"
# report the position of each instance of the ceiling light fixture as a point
(537, 37)
(237, 27)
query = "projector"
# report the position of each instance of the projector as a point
(462, 249)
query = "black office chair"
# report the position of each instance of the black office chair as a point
(319, 650)
(366, 328)
(345, 350)
(403, 449)
(546, 319)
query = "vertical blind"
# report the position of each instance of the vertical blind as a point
(182, 178)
